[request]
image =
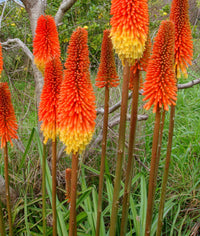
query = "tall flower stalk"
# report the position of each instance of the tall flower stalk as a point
(48, 113)
(2, 225)
(8, 131)
(134, 85)
(106, 77)
(183, 56)
(76, 109)
(128, 33)
(46, 50)
(68, 177)
(160, 90)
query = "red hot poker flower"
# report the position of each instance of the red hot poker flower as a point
(8, 122)
(129, 28)
(49, 98)
(46, 43)
(107, 74)
(183, 36)
(77, 101)
(141, 64)
(1, 60)
(160, 85)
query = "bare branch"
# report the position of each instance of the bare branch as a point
(113, 123)
(64, 6)
(189, 84)
(115, 106)
(18, 3)
(18, 43)
(1, 17)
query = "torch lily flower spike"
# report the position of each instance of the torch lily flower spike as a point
(160, 85)
(107, 74)
(8, 122)
(77, 100)
(46, 43)
(106, 77)
(129, 32)
(8, 130)
(183, 36)
(129, 28)
(48, 109)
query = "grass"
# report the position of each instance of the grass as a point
(184, 177)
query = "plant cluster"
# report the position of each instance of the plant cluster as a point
(67, 110)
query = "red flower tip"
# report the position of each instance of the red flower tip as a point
(183, 36)
(49, 98)
(68, 174)
(141, 64)
(1, 60)
(107, 74)
(46, 42)
(160, 85)
(77, 101)
(8, 122)
(129, 28)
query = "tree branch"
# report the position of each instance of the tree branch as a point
(1, 17)
(64, 6)
(18, 3)
(113, 123)
(189, 84)
(18, 43)
(118, 104)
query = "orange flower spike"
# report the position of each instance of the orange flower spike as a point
(46, 42)
(68, 174)
(1, 60)
(107, 74)
(8, 122)
(141, 64)
(77, 101)
(129, 28)
(49, 98)
(160, 85)
(183, 36)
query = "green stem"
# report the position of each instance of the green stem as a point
(129, 169)
(7, 190)
(153, 171)
(103, 154)
(159, 144)
(2, 225)
(166, 171)
(54, 187)
(44, 189)
(72, 217)
(120, 154)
